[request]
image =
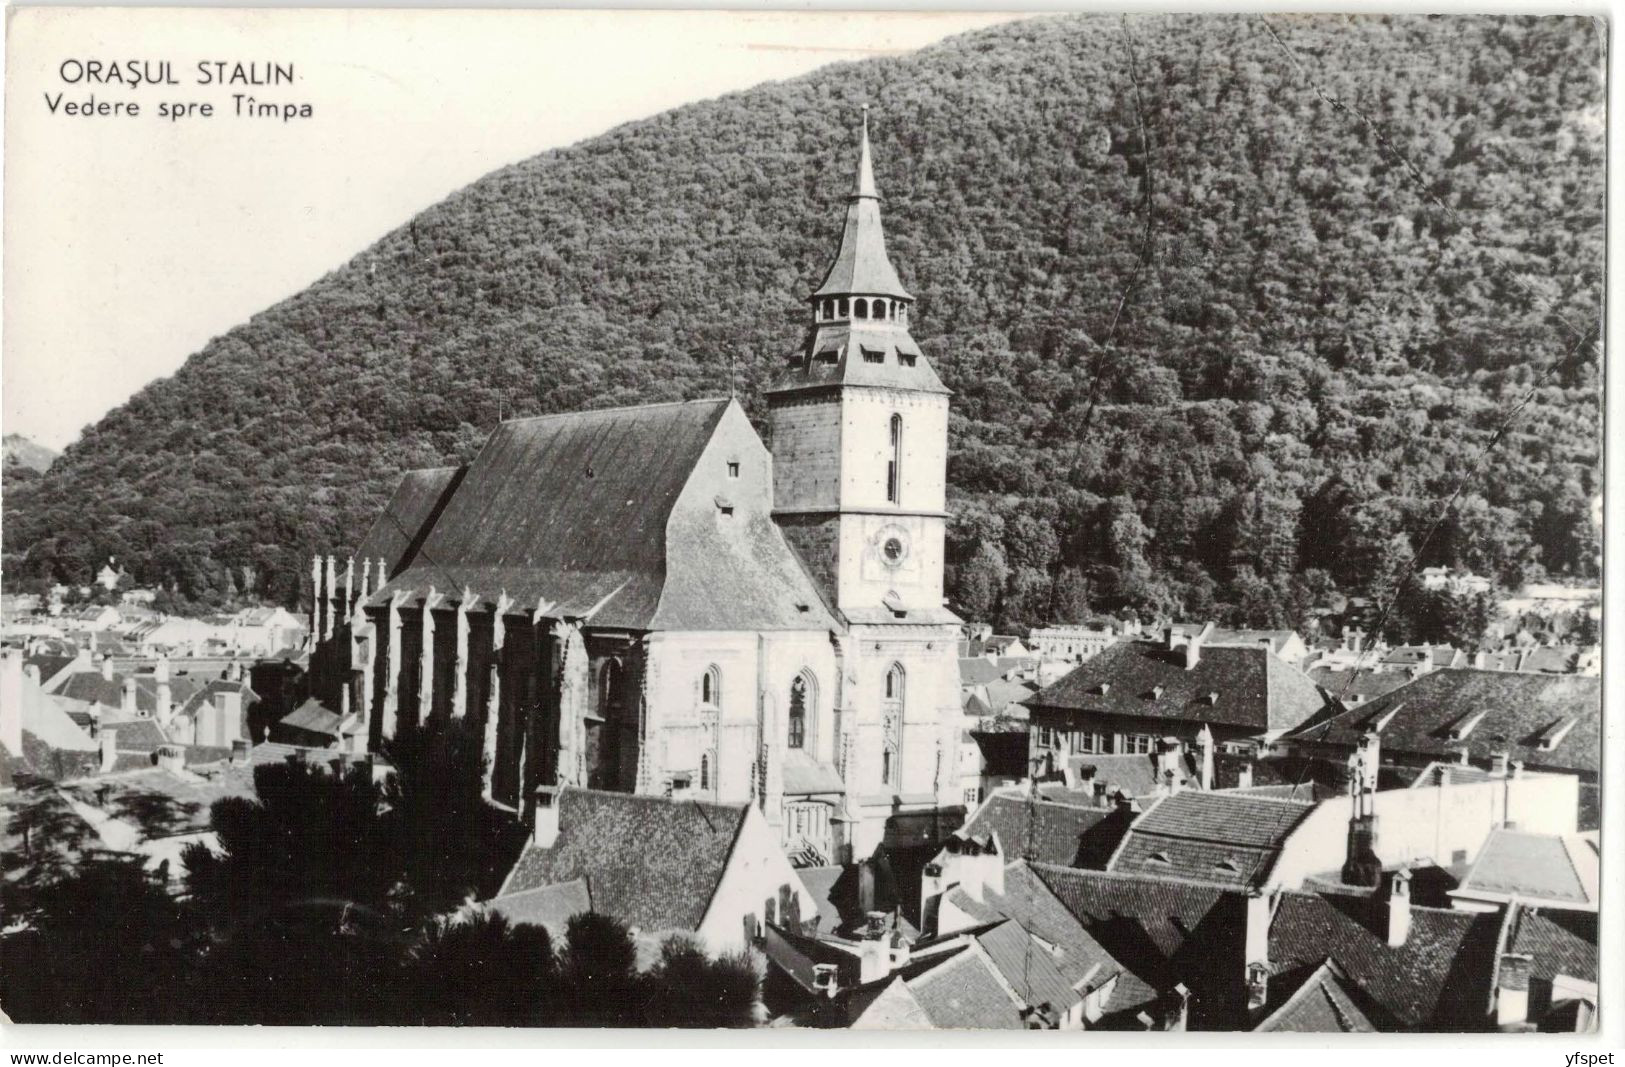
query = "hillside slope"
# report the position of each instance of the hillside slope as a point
(17, 450)
(1314, 355)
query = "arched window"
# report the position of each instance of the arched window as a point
(891, 752)
(860, 308)
(894, 466)
(705, 772)
(829, 308)
(802, 698)
(843, 307)
(883, 309)
(711, 687)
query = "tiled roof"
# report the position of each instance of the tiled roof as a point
(313, 716)
(965, 993)
(1439, 979)
(1004, 752)
(92, 688)
(1556, 944)
(1352, 687)
(650, 862)
(974, 670)
(1541, 867)
(1132, 774)
(1229, 839)
(1519, 711)
(1322, 1004)
(1060, 833)
(136, 735)
(1254, 688)
(550, 906)
(1027, 966)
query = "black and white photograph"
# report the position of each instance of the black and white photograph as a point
(805, 520)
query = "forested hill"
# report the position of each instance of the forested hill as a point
(1312, 357)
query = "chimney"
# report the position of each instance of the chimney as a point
(1180, 1009)
(1517, 768)
(1512, 991)
(1500, 764)
(1259, 913)
(108, 739)
(1362, 867)
(1173, 636)
(874, 961)
(1169, 777)
(11, 701)
(127, 706)
(31, 672)
(1399, 908)
(1205, 739)
(1244, 777)
(545, 832)
(107, 668)
(239, 753)
(227, 713)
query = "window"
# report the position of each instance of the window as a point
(733, 468)
(973, 796)
(1136, 744)
(680, 783)
(907, 359)
(874, 355)
(829, 309)
(711, 687)
(798, 712)
(894, 468)
(843, 307)
(1088, 742)
(860, 308)
(705, 772)
(609, 689)
(1046, 737)
(892, 727)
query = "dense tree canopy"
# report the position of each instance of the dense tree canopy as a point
(1340, 299)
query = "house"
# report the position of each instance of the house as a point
(989, 760)
(1045, 830)
(1287, 644)
(1486, 719)
(1224, 839)
(658, 865)
(267, 630)
(1417, 660)
(1070, 644)
(93, 618)
(316, 725)
(1247, 958)
(1128, 698)
(1553, 872)
(640, 598)
(1351, 688)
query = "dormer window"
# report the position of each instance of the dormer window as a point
(874, 355)
(907, 359)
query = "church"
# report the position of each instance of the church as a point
(649, 600)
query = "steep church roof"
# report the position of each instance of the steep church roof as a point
(578, 513)
(398, 532)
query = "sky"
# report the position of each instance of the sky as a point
(131, 241)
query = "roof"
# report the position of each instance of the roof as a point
(1027, 966)
(1004, 752)
(90, 687)
(1556, 944)
(1226, 839)
(1520, 710)
(652, 863)
(1549, 868)
(1136, 912)
(861, 264)
(1348, 685)
(398, 532)
(161, 803)
(314, 716)
(1254, 688)
(803, 774)
(965, 993)
(1439, 979)
(975, 670)
(1044, 831)
(608, 480)
(550, 906)
(838, 893)
(206, 695)
(1323, 1003)
(136, 735)
(1132, 774)
(1001, 694)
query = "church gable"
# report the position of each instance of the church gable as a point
(727, 564)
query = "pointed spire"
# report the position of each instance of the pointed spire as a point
(865, 186)
(861, 266)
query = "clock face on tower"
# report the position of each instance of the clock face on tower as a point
(893, 542)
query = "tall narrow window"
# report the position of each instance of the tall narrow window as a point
(705, 772)
(711, 687)
(798, 713)
(860, 308)
(892, 728)
(894, 468)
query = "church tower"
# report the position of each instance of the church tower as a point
(860, 434)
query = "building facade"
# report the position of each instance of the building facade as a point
(647, 600)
